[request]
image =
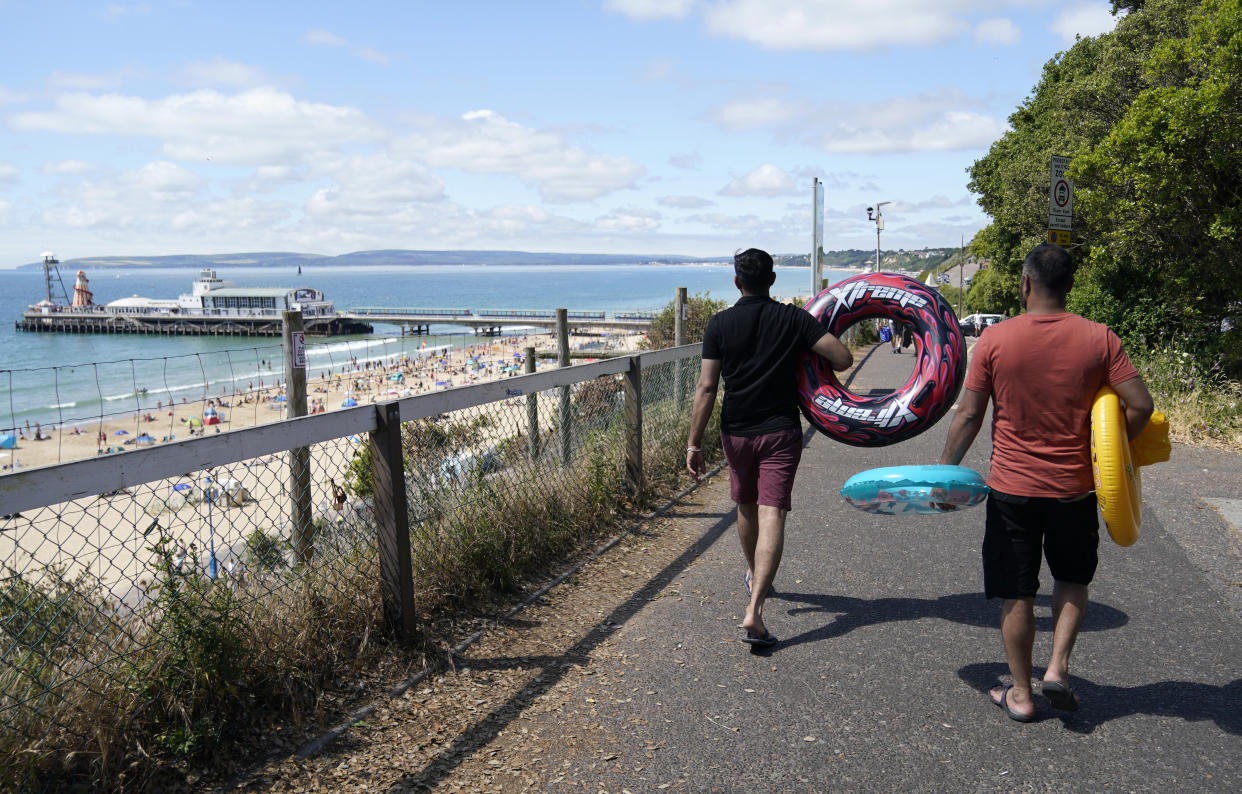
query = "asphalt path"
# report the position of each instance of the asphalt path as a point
(887, 650)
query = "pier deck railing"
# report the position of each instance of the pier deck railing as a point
(115, 571)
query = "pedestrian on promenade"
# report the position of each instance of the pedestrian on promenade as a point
(1041, 371)
(755, 345)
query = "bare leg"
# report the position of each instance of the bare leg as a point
(1018, 632)
(766, 558)
(1069, 604)
(748, 532)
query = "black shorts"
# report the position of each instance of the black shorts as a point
(1017, 526)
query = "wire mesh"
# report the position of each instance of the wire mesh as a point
(146, 616)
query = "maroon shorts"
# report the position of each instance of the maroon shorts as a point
(762, 468)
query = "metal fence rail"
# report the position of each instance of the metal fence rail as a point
(138, 589)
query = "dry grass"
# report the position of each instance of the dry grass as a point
(97, 698)
(1203, 405)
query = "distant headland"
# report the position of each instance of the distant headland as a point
(847, 259)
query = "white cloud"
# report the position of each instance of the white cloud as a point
(8, 173)
(766, 180)
(8, 97)
(223, 72)
(997, 31)
(6, 209)
(261, 126)
(146, 198)
(81, 81)
(856, 25)
(941, 120)
(67, 167)
(835, 24)
(484, 142)
(684, 202)
(1083, 19)
(754, 113)
(372, 187)
(118, 10)
(650, 9)
(629, 219)
(948, 130)
(688, 162)
(326, 38)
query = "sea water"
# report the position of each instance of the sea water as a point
(66, 379)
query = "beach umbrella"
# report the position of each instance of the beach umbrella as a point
(212, 419)
(8, 441)
(121, 433)
(348, 402)
(145, 439)
(279, 398)
(194, 421)
(210, 411)
(397, 376)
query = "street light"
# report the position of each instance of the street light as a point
(879, 227)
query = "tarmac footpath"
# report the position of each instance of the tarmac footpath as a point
(888, 648)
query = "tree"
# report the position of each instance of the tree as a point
(1150, 115)
(699, 309)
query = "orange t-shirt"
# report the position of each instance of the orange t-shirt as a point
(1042, 372)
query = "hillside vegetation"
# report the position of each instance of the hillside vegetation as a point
(1151, 115)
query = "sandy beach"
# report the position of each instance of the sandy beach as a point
(111, 535)
(256, 403)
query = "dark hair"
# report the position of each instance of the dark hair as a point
(1050, 267)
(753, 269)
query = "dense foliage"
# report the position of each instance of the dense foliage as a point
(1151, 115)
(699, 309)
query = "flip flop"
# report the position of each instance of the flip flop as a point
(1060, 696)
(766, 641)
(1003, 703)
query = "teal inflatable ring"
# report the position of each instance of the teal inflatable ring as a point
(915, 489)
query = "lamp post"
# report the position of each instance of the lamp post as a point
(879, 227)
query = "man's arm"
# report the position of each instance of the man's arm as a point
(966, 423)
(836, 354)
(704, 403)
(1138, 405)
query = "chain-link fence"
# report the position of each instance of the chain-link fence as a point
(149, 598)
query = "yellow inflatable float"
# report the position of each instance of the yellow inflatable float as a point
(1116, 461)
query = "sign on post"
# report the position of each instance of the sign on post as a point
(1060, 201)
(298, 339)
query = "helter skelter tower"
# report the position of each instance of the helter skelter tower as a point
(82, 297)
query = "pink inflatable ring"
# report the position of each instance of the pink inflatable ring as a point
(939, 352)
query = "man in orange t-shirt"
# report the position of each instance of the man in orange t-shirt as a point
(1041, 371)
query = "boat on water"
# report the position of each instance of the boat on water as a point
(213, 307)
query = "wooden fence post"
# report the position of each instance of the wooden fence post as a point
(634, 429)
(532, 408)
(294, 348)
(566, 415)
(392, 520)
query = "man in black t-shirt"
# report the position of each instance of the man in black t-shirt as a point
(754, 345)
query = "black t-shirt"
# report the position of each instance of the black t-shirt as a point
(757, 342)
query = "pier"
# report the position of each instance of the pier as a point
(488, 322)
(264, 322)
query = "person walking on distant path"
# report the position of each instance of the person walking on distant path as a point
(755, 345)
(1042, 370)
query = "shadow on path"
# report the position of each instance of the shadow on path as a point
(552, 668)
(969, 608)
(1188, 700)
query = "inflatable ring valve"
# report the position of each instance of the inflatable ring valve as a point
(914, 489)
(940, 362)
(1117, 484)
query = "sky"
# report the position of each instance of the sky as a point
(689, 127)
